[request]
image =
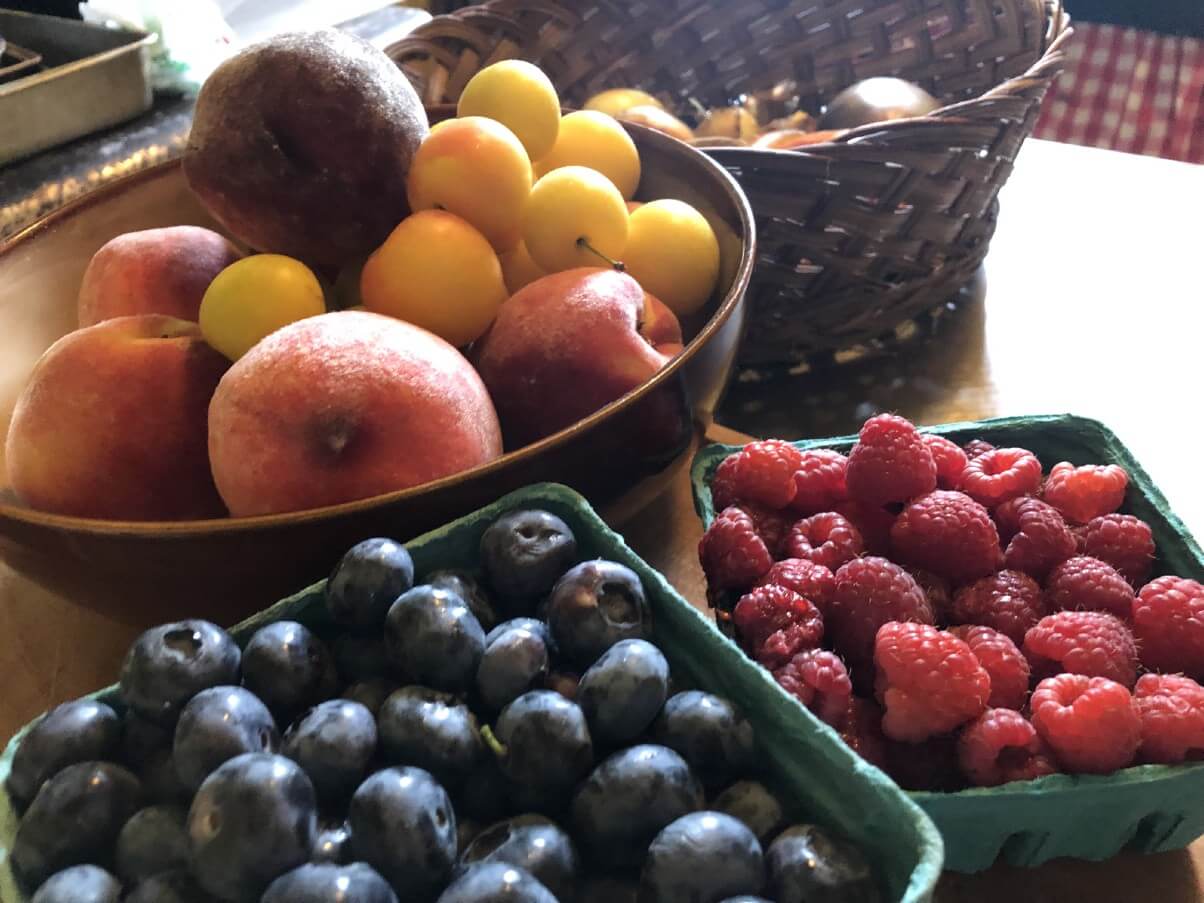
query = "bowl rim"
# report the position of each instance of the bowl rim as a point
(183, 529)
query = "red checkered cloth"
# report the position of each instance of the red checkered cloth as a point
(1129, 90)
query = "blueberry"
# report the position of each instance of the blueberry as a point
(565, 683)
(754, 804)
(533, 843)
(515, 662)
(154, 840)
(161, 782)
(289, 668)
(79, 884)
(219, 724)
(608, 889)
(171, 663)
(334, 743)
(483, 796)
(143, 740)
(359, 657)
(80, 731)
(73, 819)
(365, 582)
(628, 800)
(403, 825)
(523, 553)
(547, 748)
(371, 694)
(433, 730)
(710, 733)
(169, 887)
(808, 865)
(703, 857)
(623, 691)
(435, 638)
(595, 605)
(468, 588)
(252, 820)
(332, 844)
(330, 883)
(532, 624)
(496, 882)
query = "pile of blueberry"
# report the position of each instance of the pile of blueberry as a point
(420, 751)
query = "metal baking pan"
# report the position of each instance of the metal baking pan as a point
(92, 78)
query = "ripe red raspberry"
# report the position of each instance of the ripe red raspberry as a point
(861, 730)
(772, 526)
(827, 539)
(928, 681)
(949, 534)
(1038, 539)
(1124, 541)
(936, 590)
(1009, 601)
(950, 461)
(819, 680)
(732, 554)
(999, 746)
(810, 580)
(870, 592)
(890, 462)
(873, 523)
(775, 623)
(723, 484)
(976, 447)
(764, 472)
(1082, 642)
(1172, 717)
(1088, 584)
(1002, 660)
(1168, 621)
(819, 481)
(931, 765)
(1082, 493)
(1001, 474)
(1091, 723)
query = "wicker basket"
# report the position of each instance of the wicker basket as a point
(856, 237)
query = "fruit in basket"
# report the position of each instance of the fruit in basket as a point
(334, 743)
(532, 843)
(574, 217)
(79, 884)
(673, 253)
(345, 406)
(433, 635)
(167, 665)
(514, 662)
(215, 726)
(254, 297)
(519, 96)
(432, 730)
(110, 423)
(658, 119)
(78, 731)
(518, 269)
(703, 855)
(709, 733)
(153, 271)
(289, 668)
(593, 139)
(806, 863)
(623, 691)
(317, 173)
(322, 882)
(437, 272)
(545, 748)
(496, 881)
(878, 99)
(367, 580)
(1091, 723)
(602, 349)
(154, 840)
(614, 101)
(477, 169)
(169, 887)
(595, 605)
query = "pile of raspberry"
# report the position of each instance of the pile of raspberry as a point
(960, 615)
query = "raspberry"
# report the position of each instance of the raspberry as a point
(949, 534)
(999, 746)
(1082, 642)
(890, 462)
(936, 590)
(950, 461)
(827, 539)
(810, 580)
(772, 526)
(1083, 493)
(819, 681)
(928, 681)
(1168, 621)
(1001, 474)
(1009, 601)
(1091, 723)
(1172, 717)
(931, 765)
(733, 556)
(775, 623)
(873, 523)
(861, 730)
(819, 481)
(870, 592)
(976, 447)
(764, 472)
(1124, 541)
(723, 484)
(1006, 665)
(1038, 538)
(1088, 584)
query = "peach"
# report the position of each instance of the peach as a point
(344, 406)
(155, 271)
(112, 423)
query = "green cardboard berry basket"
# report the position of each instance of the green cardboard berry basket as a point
(1145, 808)
(825, 781)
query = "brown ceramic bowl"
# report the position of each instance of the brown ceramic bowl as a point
(223, 568)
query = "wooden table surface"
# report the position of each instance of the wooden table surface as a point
(1092, 287)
